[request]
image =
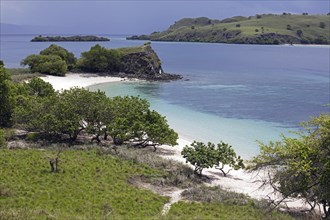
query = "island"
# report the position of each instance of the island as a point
(76, 38)
(140, 62)
(259, 29)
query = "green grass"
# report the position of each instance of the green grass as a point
(94, 184)
(193, 210)
(21, 74)
(215, 202)
(215, 31)
(89, 186)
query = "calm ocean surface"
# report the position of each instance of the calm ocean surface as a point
(235, 93)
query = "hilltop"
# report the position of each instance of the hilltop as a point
(259, 29)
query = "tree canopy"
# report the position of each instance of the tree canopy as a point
(125, 119)
(300, 167)
(99, 59)
(208, 155)
(47, 64)
(65, 55)
(6, 99)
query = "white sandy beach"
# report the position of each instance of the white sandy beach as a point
(239, 181)
(78, 80)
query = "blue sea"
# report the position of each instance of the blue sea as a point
(235, 93)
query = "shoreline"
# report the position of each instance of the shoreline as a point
(239, 181)
(79, 80)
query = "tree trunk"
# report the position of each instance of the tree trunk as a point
(51, 163)
(56, 164)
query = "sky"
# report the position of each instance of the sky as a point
(138, 17)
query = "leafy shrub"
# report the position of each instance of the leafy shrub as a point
(47, 64)
(205, 156)
(65, 55)
(301, 165)
(99, 59)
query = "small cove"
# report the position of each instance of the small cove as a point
(235, 93)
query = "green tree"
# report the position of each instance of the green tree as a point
(127, 114)
(156, 131)
(300, 167)
(322, 24)
(208, 155)
(38, 87)
(65, 55)
(99, 60)
(6, 100)
(133, 120)
(299, 33)
(47, 64)
(200, 155)
(225, 155)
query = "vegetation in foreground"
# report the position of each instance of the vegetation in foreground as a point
(259, 29)
(300, 167)
(93, 184)
(87, 186)
(37, 108)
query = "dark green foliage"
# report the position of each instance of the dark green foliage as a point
(322, 24)
(288, 27)
(54, 60)
(206, 156)
(199, 155)
(38, 87)
(238, 25)
(99, 59)
(225, 155)
(6, 100)
(72, 111)
(300, 166)
(65, 55)
(132, 119)
(47, 64)
(299, 33)
(3, 142)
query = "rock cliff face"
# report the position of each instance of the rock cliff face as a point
(143, 63)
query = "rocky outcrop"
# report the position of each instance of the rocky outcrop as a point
(144, 64)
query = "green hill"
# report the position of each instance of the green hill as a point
(259, 29)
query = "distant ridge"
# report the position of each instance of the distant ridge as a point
(259, 29)
(77, 38)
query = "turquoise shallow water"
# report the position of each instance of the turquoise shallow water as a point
(235, 93)
(194, 125)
